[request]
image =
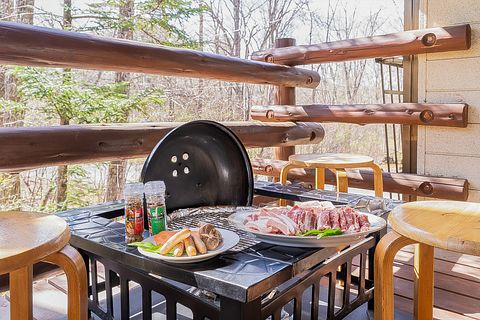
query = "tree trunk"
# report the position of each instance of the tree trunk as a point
(6, 11)
(24, 14)
(236, 26)
(25, 11)
(62, 171)
(201, 85)
(116, 169)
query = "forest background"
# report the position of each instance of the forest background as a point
(38, 96)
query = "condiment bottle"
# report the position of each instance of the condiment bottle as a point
(156, 210)
(134, 228)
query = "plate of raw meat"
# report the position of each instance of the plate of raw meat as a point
(310, 224)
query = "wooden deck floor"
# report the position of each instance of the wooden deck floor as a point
(456, 280)
(457, 290)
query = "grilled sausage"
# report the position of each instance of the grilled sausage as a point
(190, 247)
(178, 249)
(201, 247)
(175, 239)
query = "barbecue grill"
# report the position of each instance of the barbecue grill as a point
(208, 177)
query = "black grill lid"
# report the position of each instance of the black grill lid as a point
(203, 163)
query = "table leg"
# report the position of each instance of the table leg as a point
(21, 294)
(320, 178)
(342, 180)
(377, 180)
(386, 250)
(283, 180)
(236, 310)
(72, 264)
(423, 269)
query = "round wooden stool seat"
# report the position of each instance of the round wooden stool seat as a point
(331, 160)
(335, 162)
(27, 238)
(450, 225)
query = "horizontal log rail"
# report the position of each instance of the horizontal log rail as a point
(449, 115)
(395, 44)
(23, 44)
(405, 183)
(34, 147)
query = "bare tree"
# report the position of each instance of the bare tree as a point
(6, 14)
(23, 13)
(116, 169)
(62, 171)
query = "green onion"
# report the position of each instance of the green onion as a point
(321, 233)
(330, 232)
(144, 245)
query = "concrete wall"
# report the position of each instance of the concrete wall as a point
(449, 78)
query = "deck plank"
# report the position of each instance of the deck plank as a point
(455, 257)
(457, 284)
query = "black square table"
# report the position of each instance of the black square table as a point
(252, 281)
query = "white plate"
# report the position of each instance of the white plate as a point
(230, 239)
(376, 223)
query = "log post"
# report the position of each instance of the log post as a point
(284, 95)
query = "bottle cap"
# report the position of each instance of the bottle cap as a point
(154, 187)
(133, 189)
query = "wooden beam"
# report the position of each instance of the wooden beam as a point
(432, 114)
(395, 44)
(406, 183)
(32, 147)
(37, 46)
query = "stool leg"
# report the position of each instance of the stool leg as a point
(72, 264)
(283, 180)
(423, 268)
(385, 253)
(21, 294)
(377, 180)
(342, 180)
(320, 178)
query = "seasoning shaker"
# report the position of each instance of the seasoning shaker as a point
(134, 227)
(156, 210)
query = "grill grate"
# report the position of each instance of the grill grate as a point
(218, 216)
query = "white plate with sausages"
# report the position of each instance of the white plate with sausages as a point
(229, 240)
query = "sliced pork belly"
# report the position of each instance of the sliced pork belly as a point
(363, 222)
(259, 225)
(323, 219)
(343, 220)
(334, 219)
(310, 220)
(279, 224)
(356, 223)
(296, 214)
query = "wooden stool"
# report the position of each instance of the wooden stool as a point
(449, 225)
(27, 238)
(337, 163)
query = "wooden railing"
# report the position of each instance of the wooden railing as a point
(403, 183)
(32, 147)
(449, 115)
(24, 44)
(389, 45)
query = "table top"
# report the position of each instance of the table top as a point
(450, 225)
(333, 160)
(28, 237)
(244, 273)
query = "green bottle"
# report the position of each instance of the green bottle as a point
(156, 210)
